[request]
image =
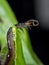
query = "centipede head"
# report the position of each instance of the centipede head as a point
(28, 24)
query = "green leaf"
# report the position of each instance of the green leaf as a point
(7, 19)
(24, 51)
(24, 54)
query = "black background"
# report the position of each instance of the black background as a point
(25, 10)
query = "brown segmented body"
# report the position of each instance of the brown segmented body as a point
(11, 48)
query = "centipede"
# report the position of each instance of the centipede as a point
(10, 41)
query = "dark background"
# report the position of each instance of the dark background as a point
(25, 10)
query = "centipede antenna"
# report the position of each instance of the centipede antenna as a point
(32, 22)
